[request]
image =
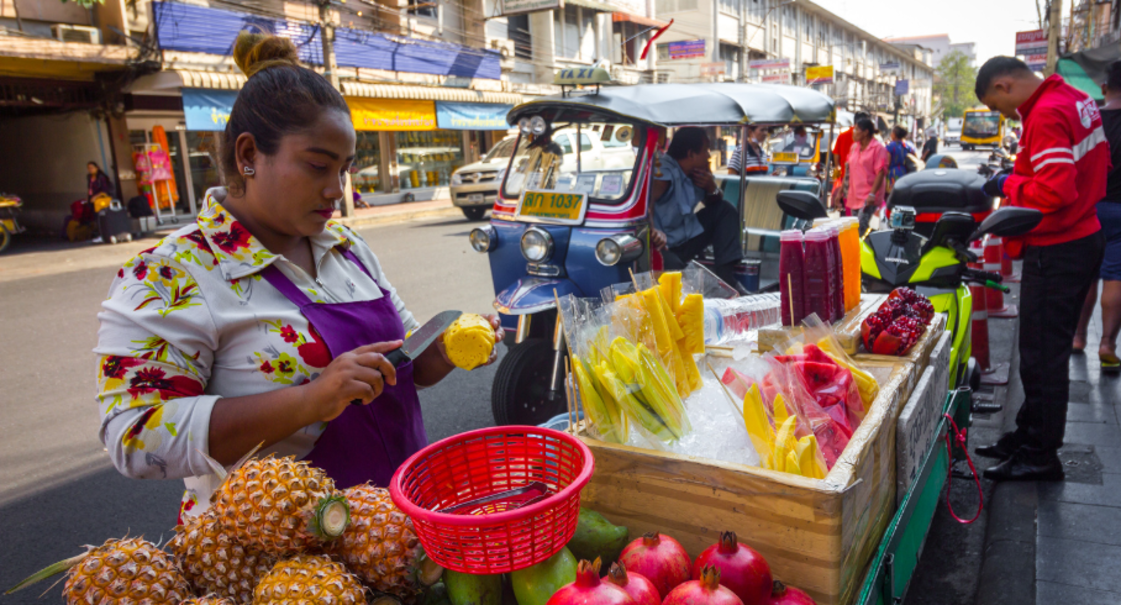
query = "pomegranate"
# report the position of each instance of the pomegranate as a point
(788, 595)
(706, 591)
(660, 558)
(589, 590)
(744, 571)
(637, 585)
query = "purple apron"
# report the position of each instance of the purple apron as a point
(366, 442)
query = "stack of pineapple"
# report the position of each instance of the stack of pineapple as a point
(277, 532)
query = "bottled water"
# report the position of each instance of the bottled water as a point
(728, 320)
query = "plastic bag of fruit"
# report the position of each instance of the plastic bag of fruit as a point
(898, 324)
(814, 389)
(819, 333)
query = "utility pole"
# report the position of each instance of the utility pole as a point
(331, 71)
(1054, 29)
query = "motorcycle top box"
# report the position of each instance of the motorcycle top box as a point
(933, 192)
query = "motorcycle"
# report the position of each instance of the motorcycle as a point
(9, 225)
(936, 267)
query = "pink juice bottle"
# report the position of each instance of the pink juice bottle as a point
(791, 270)
(838, 272)
(818, 293)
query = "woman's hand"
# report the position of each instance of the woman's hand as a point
(359, 374)
(499, 335)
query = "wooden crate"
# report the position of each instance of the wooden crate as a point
(818, 535)
(920, 416)
(847, 330)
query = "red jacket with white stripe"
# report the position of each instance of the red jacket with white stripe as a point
(1062, 165)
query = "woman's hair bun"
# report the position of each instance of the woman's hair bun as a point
(256, 52)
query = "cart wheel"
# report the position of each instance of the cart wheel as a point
(5, 238)
(175, 220)
(112, 239)
(521, 385)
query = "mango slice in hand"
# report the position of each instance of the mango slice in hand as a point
(469, 341)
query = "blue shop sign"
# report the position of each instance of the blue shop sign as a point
(471, 116)
(208, 109)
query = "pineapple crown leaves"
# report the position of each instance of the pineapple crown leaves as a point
(330, 518)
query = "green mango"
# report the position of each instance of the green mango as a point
(597, 537)
(470, 589)
(535, 585)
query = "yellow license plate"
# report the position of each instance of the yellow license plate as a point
(786, 156)
(552, 207)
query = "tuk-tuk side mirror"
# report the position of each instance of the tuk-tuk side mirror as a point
(801, 204)
(1007, 222)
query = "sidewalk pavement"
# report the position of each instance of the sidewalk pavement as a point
(1052, 543)
(31, 256)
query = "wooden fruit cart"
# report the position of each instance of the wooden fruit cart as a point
(841, 538)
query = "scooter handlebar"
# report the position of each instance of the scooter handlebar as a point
(987, 279)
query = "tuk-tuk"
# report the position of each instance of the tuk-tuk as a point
(578, 225)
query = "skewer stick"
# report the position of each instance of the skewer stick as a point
(790, 296)
(570, 392)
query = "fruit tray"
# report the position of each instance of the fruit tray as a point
(847, 330)
(818, 534)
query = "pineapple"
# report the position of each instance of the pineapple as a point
(469, 341)
(380, 546)
(131, 570)
(309, 580)
(280, 507)
(215, 564)
(208, 600)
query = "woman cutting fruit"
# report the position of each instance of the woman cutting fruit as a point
(264, 320)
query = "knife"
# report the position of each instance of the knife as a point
(419, 340)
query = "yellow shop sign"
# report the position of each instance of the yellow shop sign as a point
(392, 114)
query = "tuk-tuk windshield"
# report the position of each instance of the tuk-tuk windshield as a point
(597, 159)
(800, 143)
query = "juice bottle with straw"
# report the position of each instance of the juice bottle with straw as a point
(850, 256)
(791, 268)
(817, 274)
(838, 280)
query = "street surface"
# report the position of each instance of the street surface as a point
(57, 488)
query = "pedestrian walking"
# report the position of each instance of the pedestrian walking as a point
(866, 173)
(930, 146)
(897, 152)
(841, 148)
(1109, 215)
(758, 161)
(1061, 171)
(264, 321)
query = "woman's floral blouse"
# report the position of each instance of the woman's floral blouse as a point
(192, 320)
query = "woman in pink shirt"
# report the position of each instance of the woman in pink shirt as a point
(866, 173)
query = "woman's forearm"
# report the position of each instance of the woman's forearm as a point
(431, 367)
(239, 424)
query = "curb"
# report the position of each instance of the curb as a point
(401, 216)
(1008, 571)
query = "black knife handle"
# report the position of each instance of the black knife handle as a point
(396, 357)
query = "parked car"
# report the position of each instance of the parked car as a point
(953, 137)
(474, 187)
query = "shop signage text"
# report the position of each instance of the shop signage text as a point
(687, 49)
(471, 116)
(779, 78)
(769, 64)
(820, 74)
(1031, 42)
(902, 87)
(1036, 62)
(392, 114)
(891, 67)
(713, 69)
(518, 7)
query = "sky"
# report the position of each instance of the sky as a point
(991, 24)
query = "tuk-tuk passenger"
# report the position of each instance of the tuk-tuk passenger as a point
(685, 181)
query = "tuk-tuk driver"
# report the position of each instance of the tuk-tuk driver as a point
(680, 233)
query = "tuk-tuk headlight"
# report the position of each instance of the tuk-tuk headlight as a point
(537, 245)
(523, 125)
(538, 126)
(620, 248)
(483, 238)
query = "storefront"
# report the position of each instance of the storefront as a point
(418, 135)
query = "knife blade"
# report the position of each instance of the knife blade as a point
(420, 340)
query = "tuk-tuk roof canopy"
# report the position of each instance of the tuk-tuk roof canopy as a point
(692, 104)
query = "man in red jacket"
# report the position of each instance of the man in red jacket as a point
(1060, 170)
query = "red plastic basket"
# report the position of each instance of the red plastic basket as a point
(484, 462)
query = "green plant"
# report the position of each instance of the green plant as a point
(953, 82)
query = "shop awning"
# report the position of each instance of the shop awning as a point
(593, 4)
(169, 80)
(647, 21)
(428, 93)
